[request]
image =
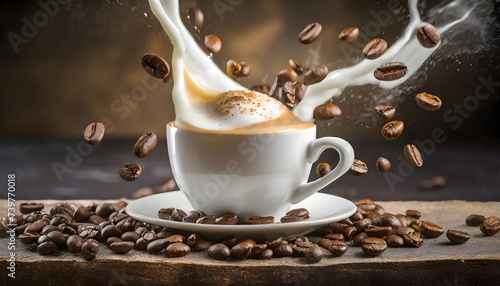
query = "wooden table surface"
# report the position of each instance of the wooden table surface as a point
(437, 262)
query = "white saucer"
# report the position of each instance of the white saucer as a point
(323, 208)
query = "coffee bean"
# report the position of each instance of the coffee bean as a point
(394, 240)
(300, 248)
(457, 237)
(364, 202)
(428, 36)
(300, 91)
(48, 228)
(357, 216)
(323, 169)
(157, 246)
(26, 208)
(149, 236)
(265, 89)
(28, 238)
(233, 69)
(428, 101)
(21, 228)
(177, 215)
(37, 225)
(272, 244)
(112, 240)
(143, 192)
(175, 238)
(57, 237)
(90, 248)
(378, 231)
(414, 214)
(258, 249)
(227, 219)
(314, 254)
(163, 234)
(385, 112)
(286, 74)
(241, 251)
(327, 239)
(391, 220)
(43, 238)
(209, 219)
(383, 164)
(366, 210)
(296, 66)
(362, 224)
(89, 231)
(358, 239)
(283, 250)
(202, 245)
(402, 231)
(122, 247)
(94, 132)
(261, 219)
(110, 231)
(46, 248)
(490, 226)
(413, 155)
(392, 129)
(375, 48)
(126, 224)
(192, 217)
(165, 213)
(315, 75)
(219, 251)
(358, 168)
(310, 33)
(373, 246)
(349, 233)
(104, 210)
(245, 69)
(267, 254)
(437, 182)
(145, 144)
(474, 220)
(140, 230)
(337, 248)
(413, 240)
(430, 229)
(74, 243)
(349, 34)
(81, 214)
(130, 171)
(155, 66)
(196, 18)
(301, 212)
(230, 242)
(213, 44)
(326, 111)
(390, 71)
(130, 236)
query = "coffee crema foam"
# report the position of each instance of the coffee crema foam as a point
(250, 112)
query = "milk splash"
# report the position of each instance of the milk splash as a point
(195, 73)
(407, 50)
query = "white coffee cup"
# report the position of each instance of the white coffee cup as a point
(256, 174)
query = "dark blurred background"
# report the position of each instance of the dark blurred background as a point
(76, 62)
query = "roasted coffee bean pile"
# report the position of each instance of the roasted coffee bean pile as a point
(201, 217)
(83, 230)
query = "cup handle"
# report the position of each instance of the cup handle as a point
(314, 150)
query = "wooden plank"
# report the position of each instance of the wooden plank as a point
(436, 262)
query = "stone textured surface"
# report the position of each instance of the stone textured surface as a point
(436, 262)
